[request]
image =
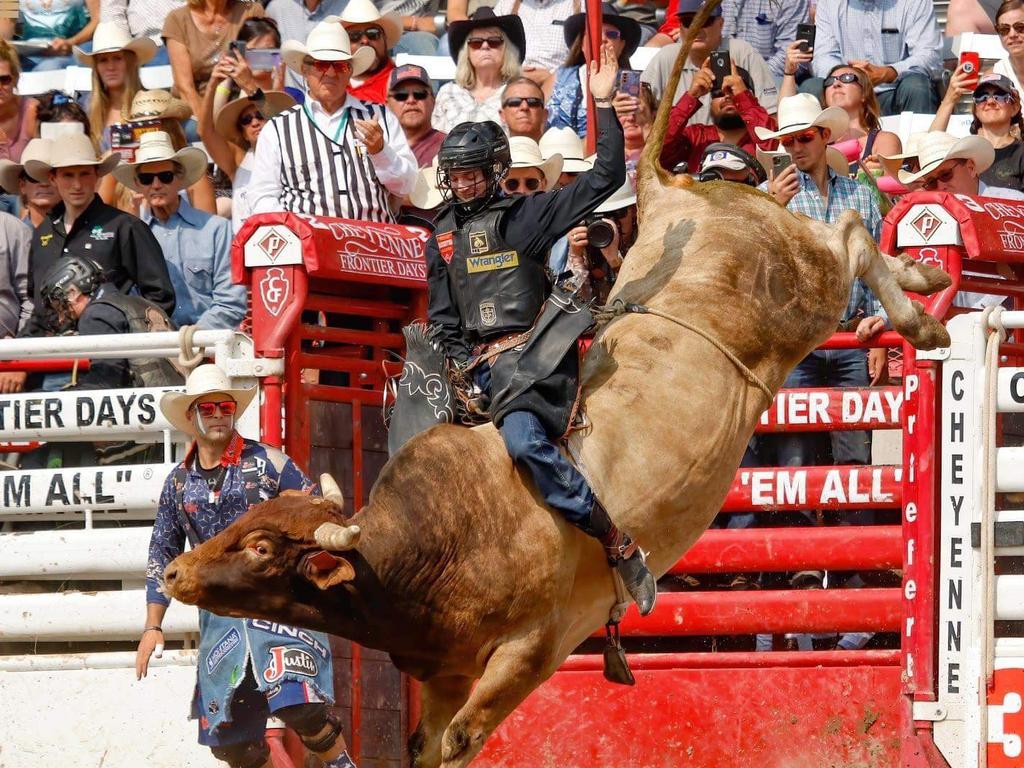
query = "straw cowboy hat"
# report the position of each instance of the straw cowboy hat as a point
(936, 147)
(205, 380)
(565, 142)
(269, 103)
(623, 197)
(158, 105)
(425, 194)
(836, 160)
(365, 12)
(327, 41)
(10, 171)
(803, 111)
(526, 154)
(484, 16)
(629, 28)
(72, 150)
(109, 38)
(156, 147)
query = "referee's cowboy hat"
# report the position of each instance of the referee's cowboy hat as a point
(203, 381)
(327, 41)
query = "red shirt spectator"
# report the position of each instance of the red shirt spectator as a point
(374, 87)
(734, 114)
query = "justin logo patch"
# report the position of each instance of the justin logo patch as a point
(478, 242)
(488, 314)
(97, 233)
(446, 246)
(492, 261)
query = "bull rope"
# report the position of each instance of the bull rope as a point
(619, 307)
(188, 356)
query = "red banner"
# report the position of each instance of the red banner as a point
(794, 488)
(826, 409)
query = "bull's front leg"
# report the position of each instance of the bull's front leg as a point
(440, 699)
(865, 261)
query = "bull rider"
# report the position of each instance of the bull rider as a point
(248, 669)
(487, 286)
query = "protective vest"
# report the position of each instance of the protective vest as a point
(497, 290)
(144, 316)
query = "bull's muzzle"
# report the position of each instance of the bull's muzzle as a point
(336, 538)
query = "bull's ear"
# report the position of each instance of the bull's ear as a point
(326, 570)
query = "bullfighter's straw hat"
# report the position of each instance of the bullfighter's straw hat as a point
(205, 380)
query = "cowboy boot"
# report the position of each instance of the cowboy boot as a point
(626, 557)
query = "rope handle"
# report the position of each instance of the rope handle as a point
(188, 355)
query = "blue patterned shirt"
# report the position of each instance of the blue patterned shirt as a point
(244, 462)
(567, 108)
(844, 194)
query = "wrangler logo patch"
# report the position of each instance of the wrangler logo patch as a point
(492, 261)
(478, 242)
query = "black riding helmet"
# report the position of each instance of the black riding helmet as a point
(68, 271)
(480, 145)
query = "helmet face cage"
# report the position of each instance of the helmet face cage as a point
(493, 175)
(81, 273)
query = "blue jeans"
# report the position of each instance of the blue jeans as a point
(416, 44)
(46, 63)
(559, 482)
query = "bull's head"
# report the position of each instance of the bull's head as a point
(274, 562)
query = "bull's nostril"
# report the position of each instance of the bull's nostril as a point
(170, 573)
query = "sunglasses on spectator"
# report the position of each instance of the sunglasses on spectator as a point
(6, 80)
(942, 178)
(226, 407)
(244, 120)
(512, 185)
(476, 43)
(997, 96)
(804, 137)
(845, 77)
(1004, 29)
(145, 179)
(373, 34)
(323, 67)
(404, 95)
(516, 101)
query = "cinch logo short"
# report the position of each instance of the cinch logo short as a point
(492, 261)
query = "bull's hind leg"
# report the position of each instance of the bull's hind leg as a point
(851, 240)
(440, 699)
(513, 671)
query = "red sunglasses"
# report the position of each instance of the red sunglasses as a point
(323, 67)
(226, 407)
(804, 137)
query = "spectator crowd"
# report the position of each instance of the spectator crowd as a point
(299, 105)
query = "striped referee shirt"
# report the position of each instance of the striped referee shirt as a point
(310, 161)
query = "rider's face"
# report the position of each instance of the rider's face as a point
(467, 185)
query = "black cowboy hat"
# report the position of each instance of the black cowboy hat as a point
(629, 28)
(483, 16)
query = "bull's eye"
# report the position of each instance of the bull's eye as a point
(261, 548)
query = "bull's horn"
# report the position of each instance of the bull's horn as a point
(329, 488)
(337, 538)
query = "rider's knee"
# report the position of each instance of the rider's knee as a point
(250, 754)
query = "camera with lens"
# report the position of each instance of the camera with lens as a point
(600, 231)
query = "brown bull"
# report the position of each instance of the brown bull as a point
(458, 570)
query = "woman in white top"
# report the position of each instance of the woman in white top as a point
(488, 51)
(230, 137)
(1010, 28)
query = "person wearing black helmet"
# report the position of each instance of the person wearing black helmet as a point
(80, 299)
(487, 285)
(727, 162)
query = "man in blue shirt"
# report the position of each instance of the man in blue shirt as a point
(896, 42)
(196, 245)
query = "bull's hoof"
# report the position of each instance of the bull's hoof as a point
(927, 332)
(920, 278)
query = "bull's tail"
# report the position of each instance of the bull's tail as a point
(649, 171)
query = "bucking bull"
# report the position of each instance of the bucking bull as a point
(457, 569)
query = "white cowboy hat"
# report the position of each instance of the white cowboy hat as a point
(936, 147)
(425, 194)
(565, 142)
(10, 171)
(270, 103)
(155, 147)
(893, 163)
(526, 154)
(836, 160)
(623, 197)
(205, 380)
(108, 38)
(327, 41)
(365, 12)
(72, 150)
(803, 111)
